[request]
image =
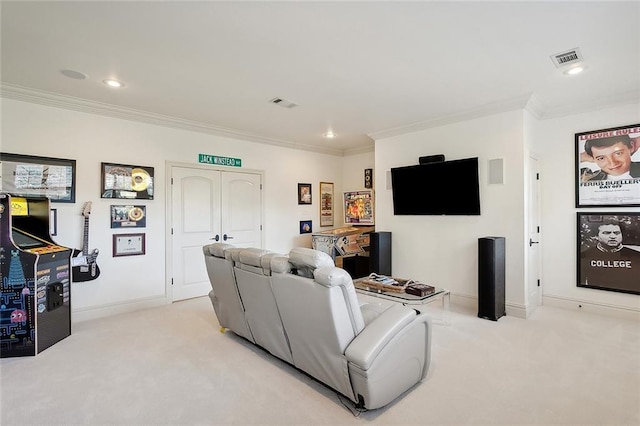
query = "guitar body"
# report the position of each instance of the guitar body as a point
(88, 272)
(83, 263)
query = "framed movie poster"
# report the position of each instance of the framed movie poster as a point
(609, 251)
(123, 181)
(326, 204)
(608, 167)
(358, 207)
(32, 176)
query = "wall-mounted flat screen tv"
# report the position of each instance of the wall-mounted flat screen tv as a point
(443, 188)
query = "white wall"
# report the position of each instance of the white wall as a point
(437, 250)
(554, 141)
(91, 139)
(442, 250)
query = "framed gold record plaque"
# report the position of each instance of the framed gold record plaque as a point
(128, 182)
(128, 216)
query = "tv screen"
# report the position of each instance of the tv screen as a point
(444, 188)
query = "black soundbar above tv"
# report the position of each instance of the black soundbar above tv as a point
(441, 188)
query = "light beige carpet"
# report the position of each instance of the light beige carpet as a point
(171, 365)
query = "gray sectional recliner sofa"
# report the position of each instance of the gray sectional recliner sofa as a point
(304, 310)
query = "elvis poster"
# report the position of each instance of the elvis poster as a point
(609, 251)
(608, 167)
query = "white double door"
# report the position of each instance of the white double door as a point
(206, 206)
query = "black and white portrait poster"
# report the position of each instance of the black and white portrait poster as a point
(608, 167)
(609, 251)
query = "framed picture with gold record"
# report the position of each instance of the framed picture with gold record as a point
(128, 216)
(124, 181)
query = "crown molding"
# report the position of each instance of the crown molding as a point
(632, 97)
(530, 103)
(535, 107)
(480, 111)
(20, 93)
(359, 150)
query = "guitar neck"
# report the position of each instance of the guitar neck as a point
(85, 239)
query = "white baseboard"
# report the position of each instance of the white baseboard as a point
(94, 312)
(471, 302)
(599, 308)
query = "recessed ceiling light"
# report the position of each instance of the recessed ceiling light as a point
(329, 135)
(113, 83)
(575, 70)
(76, 75)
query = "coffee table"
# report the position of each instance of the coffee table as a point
(441, 294)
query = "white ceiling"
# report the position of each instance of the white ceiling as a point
(361, 69)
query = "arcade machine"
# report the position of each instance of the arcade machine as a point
(35, 273)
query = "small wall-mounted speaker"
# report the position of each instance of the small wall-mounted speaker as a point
(388, 176)
(368, 178)
(496, 171)
(438, 158)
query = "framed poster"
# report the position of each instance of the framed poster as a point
(304, 193)
(358, 207)
(32, 176)
(128, 244)
(326, 204)
(609, 251)
(122, 181)
(608, 167)
(128, 216)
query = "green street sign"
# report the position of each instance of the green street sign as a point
(219, 161)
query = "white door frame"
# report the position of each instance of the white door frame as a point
(533, 304)
(168, 293)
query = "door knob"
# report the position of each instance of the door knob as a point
(217, 238)
(226, 237)
(531, 242)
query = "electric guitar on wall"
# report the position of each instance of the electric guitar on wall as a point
(83, 263)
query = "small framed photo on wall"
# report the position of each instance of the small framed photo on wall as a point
(304, 193)
(306, 227)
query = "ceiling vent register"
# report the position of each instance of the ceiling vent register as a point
(567, 58)
(283, 103)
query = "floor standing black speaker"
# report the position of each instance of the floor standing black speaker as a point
(380, 253)
(491, 274)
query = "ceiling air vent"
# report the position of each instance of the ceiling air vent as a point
(569, 57)
(283, 103)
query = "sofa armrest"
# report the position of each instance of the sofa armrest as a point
(389, 356)
(364, 349)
